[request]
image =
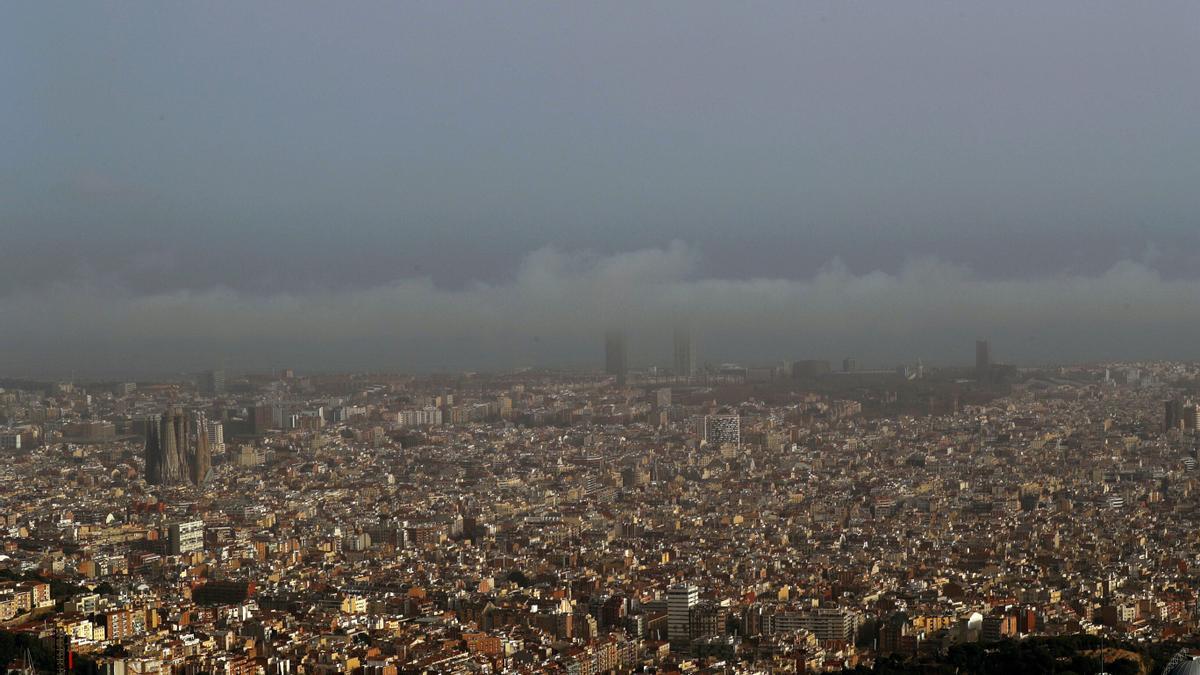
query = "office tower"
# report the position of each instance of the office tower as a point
(213, 382)
(177, 449)
(1173, 414)
(721, 429)
(983, 357)
(680, 600)
(849, 365)
(614, 356)
(685, 358)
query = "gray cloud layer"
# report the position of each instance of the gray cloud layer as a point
(286, 147)
(195, 183)
(559, 304)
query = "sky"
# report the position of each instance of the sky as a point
(445, 185)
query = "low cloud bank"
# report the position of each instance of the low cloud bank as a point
(558, 304)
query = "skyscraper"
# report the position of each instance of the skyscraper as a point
(1173, 415)
(212, 382)
(983, 357)
(685, 359)
(614, 356)
(177, 450)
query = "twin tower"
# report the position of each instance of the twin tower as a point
(177, 451)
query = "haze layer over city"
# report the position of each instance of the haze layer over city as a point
(428, 185)
(683, 337)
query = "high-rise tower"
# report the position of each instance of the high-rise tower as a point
(212, 382)
(685, 358)
(983, 357)
(1173, 417)
(680, 600)
(614, 356)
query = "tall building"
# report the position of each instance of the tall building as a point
(265, 417)
(615, 363)
(685, 358)
(1173, 414)
(213, 382)
(216, 436)
(722, 429)
(680, 600)
(177, 450)
(983, 357)
(1191, 415)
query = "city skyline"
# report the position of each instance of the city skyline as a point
(743, 520)
(686, 337)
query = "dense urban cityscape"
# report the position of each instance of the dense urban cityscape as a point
(686, 337)
(796, 517)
